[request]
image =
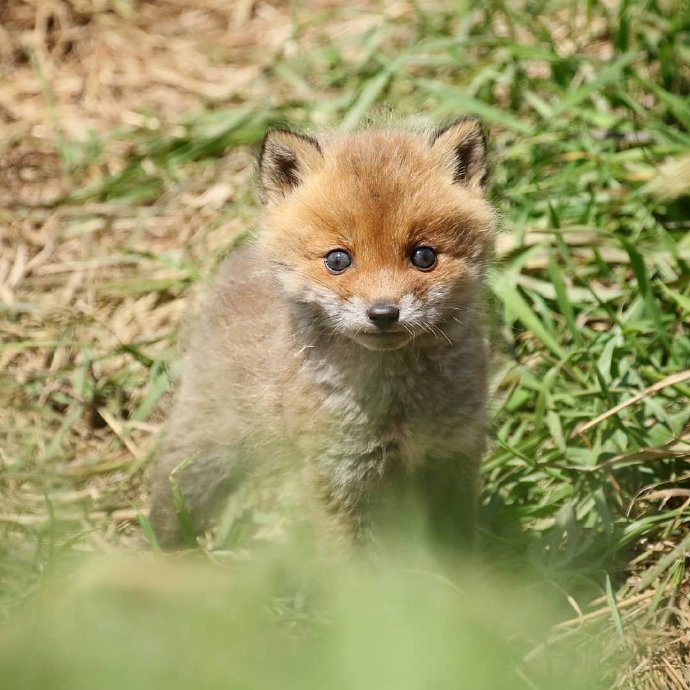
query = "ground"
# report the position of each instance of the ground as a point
(127, 134)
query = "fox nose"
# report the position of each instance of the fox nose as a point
(383, 315)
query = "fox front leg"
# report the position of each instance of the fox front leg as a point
(448, 492)
(187, 492)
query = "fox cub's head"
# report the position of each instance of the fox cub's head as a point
(384, 235)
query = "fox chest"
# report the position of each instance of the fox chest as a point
(377, 422)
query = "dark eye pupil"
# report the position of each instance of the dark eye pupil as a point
(338, 260)
(423, 257)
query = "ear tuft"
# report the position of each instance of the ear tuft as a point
(463, 147)
(285, 160)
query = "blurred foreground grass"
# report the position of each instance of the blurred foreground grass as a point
(143, 622)
(118, 199)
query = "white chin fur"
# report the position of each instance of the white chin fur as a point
(382, 342)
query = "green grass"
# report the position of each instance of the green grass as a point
(139, 624)
(587, 104)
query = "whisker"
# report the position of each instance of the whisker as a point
(427, 328)
(468, 310)
(442, 332)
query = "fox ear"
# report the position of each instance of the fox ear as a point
(286, 158)
(462, 146)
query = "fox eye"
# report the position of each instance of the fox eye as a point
(337, 261)
(423, 258)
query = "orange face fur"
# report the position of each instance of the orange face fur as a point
(378, 197)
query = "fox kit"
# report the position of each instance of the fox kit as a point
(346, 343)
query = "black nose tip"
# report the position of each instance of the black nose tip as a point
(383, 314)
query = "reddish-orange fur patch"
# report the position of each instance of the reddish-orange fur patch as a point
(379, 195)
